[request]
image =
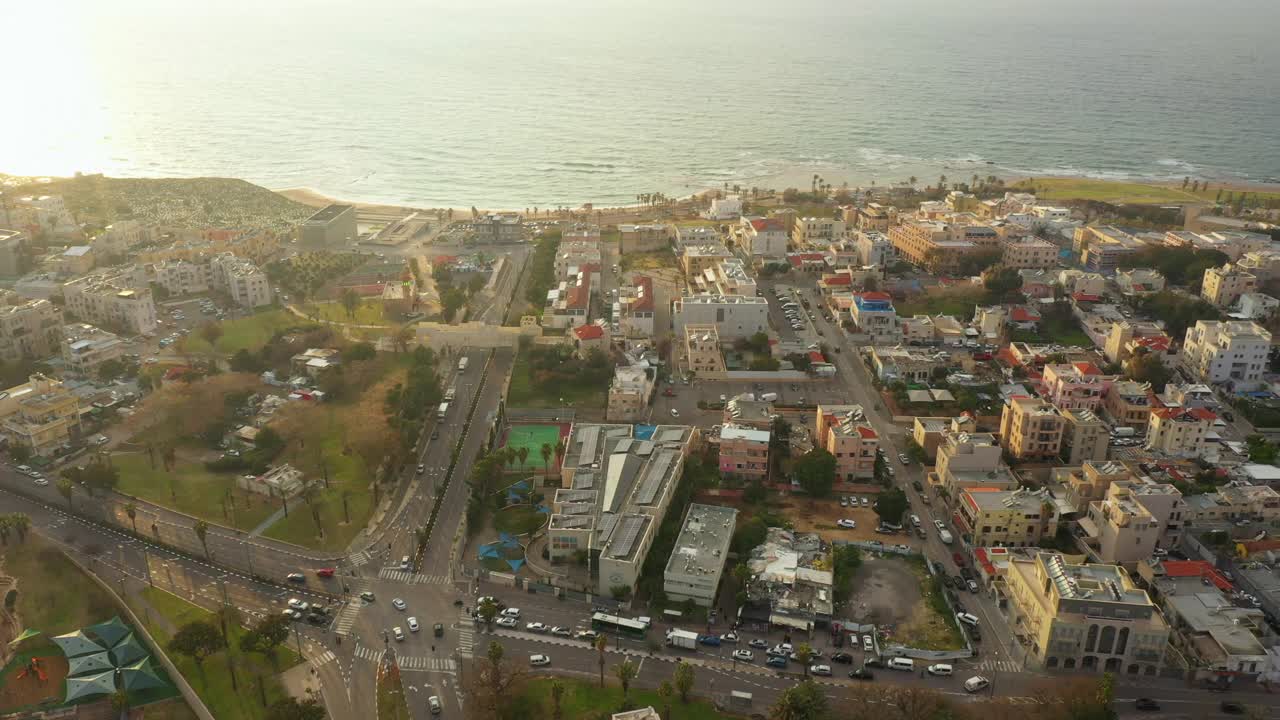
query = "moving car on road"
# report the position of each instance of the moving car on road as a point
(413, 624)
(398, 604)
(535, 627)
(539, 660)
(820, 670)
(367, 596)
(1146, 704)
(976, 683)
(398, 633)
(744, 655)
(296, 577)
(324, 572)
(508, 622)
(433, 703)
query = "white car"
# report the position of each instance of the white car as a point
(820, 670)
(511, 612)
(903, 457)
(539, 660)
(413, 624)
(976, 683)
(938, 524)
(41, 482)
(562, 631)
(399, 634)
(297, 604)
(744, 655)
(506, 622)
(675, 412)
(866, 501)
(585, 635)
(729, 637)
(536, 627)
(398, 604)
(846, 523)
(433, 702)
(868, 645)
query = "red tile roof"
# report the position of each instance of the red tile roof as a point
(589, 332)
(1087, 368)
(766, 224)
(645, 302)
(867, 432)
(1196, 568)
(1023, 315)
(875, 296)
(816, 356)
(837, 279)
(1086, 297)
(578, 297)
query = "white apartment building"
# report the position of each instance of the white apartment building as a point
(764, 237)
(86, 347)
(811, 232)
(242, 280)
(1232, 352)
(1139, 281)
(182, 277)
(28, 328)
(115, 297)
(873, 248)
(573, 256)
(696, 564)
(728, 277)
(1179, 432)
(633, 311)
(734, 316)
(725, 208)
(1029, 253)
(1256, 306)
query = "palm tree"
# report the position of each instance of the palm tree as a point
(131, 509)
(21, 523)
(602, 642)
(942, 182)
(65, 489)
(912, 180)
(665, 691)
(346, 514)
(626, 672)
(557, 700)
(804, 653)
(202, 531)
(4, 529)
(523, 454)
(560, 451)
(546, 452)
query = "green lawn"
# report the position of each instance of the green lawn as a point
(368, 312)
(249, 333)
(1110, 191)
(212, 681)
(346, 472)
(526, 394)
(586, 700)
(518, 520)
(1064, 330)
(199, 492)
(54, 597)
(958, 301)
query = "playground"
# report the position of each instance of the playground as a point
(32, 679)
(503, 555)
(532, 437)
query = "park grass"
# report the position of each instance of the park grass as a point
(518, 520)
(199, 492)
(391, 700)
(212, 681)
(249, 333)
(54, 596)
(1064, 330)
(1110, 191)
(346, 472)
(525, 393)
(584, 700)
(957, 301)
(368, 312)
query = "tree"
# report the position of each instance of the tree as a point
(65, 489)
(245, 362)
(557, 700)
(1147, 367)
(268, 633)
(290, 708)
(626, 672)
(350, 302)
(523, 454)
(487, 611)
(110, 370)
(804, 653)
(403, 337)
(891, 505)
(1002, 283)
(201, 529)
(20, 453)
(601, 642)
(665, 692)
(682, 678)
(211, 332)
(816, 472)
(802, 701)
(21, 523)
(120, 702)
(131, 509)
(197, 640)
(546, 452)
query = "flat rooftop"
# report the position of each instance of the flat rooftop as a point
(328, 213)
(703, 541)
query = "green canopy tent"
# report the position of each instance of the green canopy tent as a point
(88, 664)
(26, 635)
(79, 688)
(75, 644)
(110, 632)
(141, 676)
(127, 651)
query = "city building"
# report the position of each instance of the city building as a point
(1139, 281)
(1084, 283)
(647, 237)
(872, 218)
(696, 259)
(845, 432)
(243, 281)
(693, 571)
(1028, 252)
(498, 228)
(874, 315)
(115, 298)
(724, 208)
(1089, 482)
(1103, 248)
(12, 246)
(331, 225)
(939, 246)
(629, 393)
(615, 489)
(1075, 386)
(728, 277)
(686, 235)
(1084, 438)
(282, 481)
(744, 452)
(574, 255)
(1223, 286)
(568, 304)
(1128, 404)
(928, 432)
(85, 348)
(892, 364)
(764, 237)
(791, 581)
(1179, 432)
(119, 237)
(1085, 617)
(76, 260)
(1233, 352)
(1124, 338)
(873, 247)
(1208, 626)
(1262, 264)
(734, 316)
(1129, 523)
(635, 307)
(810, 232)
(1234, 502)
(992, 517)
(585, 338)
(748, 410)
(1232, 243)
(702, 349)
(29, 329)
(181, 277)
(1031, 429)
(971, 459)
(1255, 306)
(40, 415)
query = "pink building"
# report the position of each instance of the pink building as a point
(744, 452)
(1075, 386)
(843, 431)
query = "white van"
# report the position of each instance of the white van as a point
(967, 618)
(940, 669)
(915, 520)
(976, 683)
(901, 663)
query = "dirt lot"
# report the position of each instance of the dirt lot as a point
(30, 690)
(820, 516)
(896, 594)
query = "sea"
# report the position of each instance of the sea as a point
(544, 103)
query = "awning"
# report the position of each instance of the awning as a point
(90, 685)
(788, 621)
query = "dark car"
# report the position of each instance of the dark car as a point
(939, 568)
(842, 657)
(438, 630)
(916, 484)
(959, 559)
(1231, 708)
(1146, 704)
(873, 662)
(966, 573)
(959, 583)
(862, 674)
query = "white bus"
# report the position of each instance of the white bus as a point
(462, 363)
(442, 410)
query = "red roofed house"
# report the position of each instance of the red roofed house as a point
(1179, 432)
(808, 262)
(843, 431)
(832, 282)
(587, 337)
(1195, 568)
(764, 237)
(636, 307)
(568, 305)
(1024, 319)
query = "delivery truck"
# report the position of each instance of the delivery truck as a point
(682, 639)
(945, 536)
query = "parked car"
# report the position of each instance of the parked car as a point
(507, 622)
(536, 627)
(296, 577)
(744, 655)
(398, 633)
(758, 644)
(776, 661)
(843, 658)
(820, 670)
(438, 630)
(862, 674)
(562, 631)
(324, 572)
(539, 660)
(1231, 708)
(398, 604)
(433, 703)
(1146, 704)
(846, 523)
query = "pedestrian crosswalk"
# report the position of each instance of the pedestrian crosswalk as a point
(359, 558)
(466, 634)
(324, 659)
(410, 578)
(998, 666)
(365, 653)
(347, 617)
(428, 664)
